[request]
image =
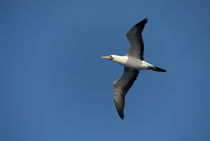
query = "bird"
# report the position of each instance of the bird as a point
(133, 63)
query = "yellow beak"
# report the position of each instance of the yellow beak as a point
(106, 57)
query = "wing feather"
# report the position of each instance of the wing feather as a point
(121, 87)
(136, 41)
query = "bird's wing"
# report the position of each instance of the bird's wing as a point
(121, 86)
(135, 39)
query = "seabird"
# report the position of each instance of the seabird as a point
(133, 62)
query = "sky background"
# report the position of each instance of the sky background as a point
(54, 85)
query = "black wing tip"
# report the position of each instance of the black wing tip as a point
(140, 25)
(143, 22)
(121, 113)
(121, 116)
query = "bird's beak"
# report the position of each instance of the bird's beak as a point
(107, 57)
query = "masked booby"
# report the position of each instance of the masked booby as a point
(133, 62)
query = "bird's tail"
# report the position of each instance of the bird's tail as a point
(154, 68)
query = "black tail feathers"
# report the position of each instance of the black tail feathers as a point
(156, 69)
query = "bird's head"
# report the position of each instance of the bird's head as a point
(114, 58)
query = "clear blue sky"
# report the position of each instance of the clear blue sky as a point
(54, 85)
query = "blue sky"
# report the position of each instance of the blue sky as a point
(54, 85)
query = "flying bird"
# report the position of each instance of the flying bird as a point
(133, 62)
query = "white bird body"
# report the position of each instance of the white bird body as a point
(131, 62)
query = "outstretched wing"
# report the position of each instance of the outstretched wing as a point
(135, 39)
(121, 87)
